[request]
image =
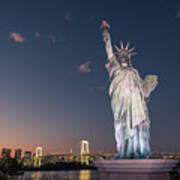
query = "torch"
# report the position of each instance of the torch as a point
(107, 39)
(105, 30)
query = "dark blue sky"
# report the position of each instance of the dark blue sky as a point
(53, 83)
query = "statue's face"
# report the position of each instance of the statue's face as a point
(124, 62)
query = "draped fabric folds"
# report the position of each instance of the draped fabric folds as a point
(131, 120)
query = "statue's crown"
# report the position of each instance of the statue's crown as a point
(124, 52)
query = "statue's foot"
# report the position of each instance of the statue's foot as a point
(144, 156)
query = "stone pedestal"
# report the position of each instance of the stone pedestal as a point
(135, 169)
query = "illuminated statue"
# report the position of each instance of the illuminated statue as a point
(128, 94)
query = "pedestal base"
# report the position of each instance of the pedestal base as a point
(140, 169)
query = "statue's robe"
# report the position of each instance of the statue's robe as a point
(131, 120)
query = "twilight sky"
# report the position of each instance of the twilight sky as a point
(53, 83)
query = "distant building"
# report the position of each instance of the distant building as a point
(6, 153)
(27, 154)
(18, 154)
(71, 158)
(27, 159)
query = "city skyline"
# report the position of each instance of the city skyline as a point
(54, 86)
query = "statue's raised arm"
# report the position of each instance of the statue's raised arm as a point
(107, 39)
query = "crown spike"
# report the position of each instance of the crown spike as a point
(127, 46)
(134, 53)
(132, 49)
(117, 48)
(121, 43)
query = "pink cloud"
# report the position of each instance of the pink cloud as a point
(84, 67)
(37, 34)
(17, 37)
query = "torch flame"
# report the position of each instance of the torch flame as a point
(104, 22)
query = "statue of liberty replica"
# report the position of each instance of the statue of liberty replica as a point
(128, 93)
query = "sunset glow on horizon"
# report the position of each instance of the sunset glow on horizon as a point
(53, 81)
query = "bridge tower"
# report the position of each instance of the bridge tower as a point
(85, 152)
(38, 156)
